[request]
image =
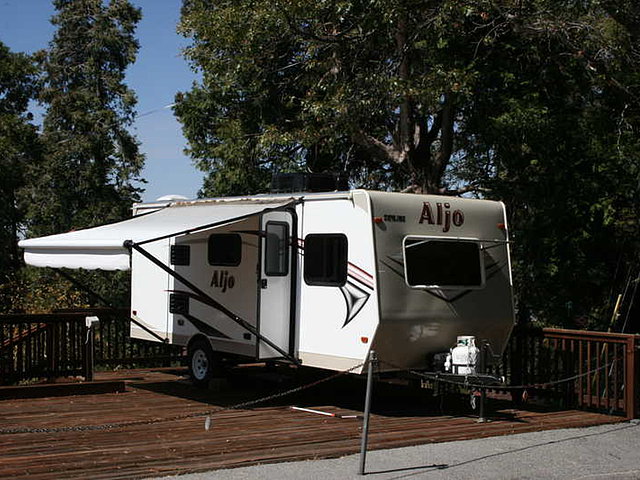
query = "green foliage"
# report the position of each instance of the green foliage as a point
(37, 291)
(18, 147)
(90, 159)
(392, 93)
(355, 87)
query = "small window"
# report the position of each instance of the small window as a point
(325, 260)
(225, 249)
(276, 255)
(433, 263)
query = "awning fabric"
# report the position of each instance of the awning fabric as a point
(102, 247)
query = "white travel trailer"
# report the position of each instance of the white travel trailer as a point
(316, 279)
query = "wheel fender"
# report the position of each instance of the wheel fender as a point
(196, 337)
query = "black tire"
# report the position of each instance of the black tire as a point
(201, 362)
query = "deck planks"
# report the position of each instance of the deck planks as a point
(263, 434)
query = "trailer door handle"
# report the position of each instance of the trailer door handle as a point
(263, 283)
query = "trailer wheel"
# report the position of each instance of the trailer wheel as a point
(200, 362)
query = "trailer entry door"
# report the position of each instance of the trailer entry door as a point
(275, 284)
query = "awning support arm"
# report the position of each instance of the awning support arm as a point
(210, 301)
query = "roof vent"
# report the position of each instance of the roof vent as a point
(308, 182)
(171, 198)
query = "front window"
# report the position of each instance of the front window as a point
(443, 263)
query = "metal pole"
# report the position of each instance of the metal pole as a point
(483, 390)
(483, 398)
(367, 410)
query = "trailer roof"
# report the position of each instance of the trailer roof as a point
(103, 247)
(263, 197)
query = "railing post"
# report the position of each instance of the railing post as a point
(367, 411)
(90, 322)
(51, 350)
(636, 387)
(516, 360)
(631, 390)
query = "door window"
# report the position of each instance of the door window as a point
(276, 256)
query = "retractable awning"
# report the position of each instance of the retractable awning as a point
(103, 247)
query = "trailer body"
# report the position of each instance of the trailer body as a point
(319, 279)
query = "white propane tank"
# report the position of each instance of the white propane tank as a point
(464, 356)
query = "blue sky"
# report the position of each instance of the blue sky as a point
(157, 75)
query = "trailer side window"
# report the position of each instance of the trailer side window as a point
(443, 263)
(225, 249)
(325, 259)
(276, 260)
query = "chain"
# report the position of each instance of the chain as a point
(153, 421)
(467, 383)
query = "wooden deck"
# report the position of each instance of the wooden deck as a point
(268, 433)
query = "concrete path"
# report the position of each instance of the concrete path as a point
(595, 453)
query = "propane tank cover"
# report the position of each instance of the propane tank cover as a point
(464, 356)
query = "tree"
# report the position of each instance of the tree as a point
(380, 87)
(18, 147)
(91, 161)
(349, 86)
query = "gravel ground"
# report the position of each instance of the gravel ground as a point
(595, 453)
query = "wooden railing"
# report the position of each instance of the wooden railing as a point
(594, 370)
(43, 346)
(49, 346)
(114, 347)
